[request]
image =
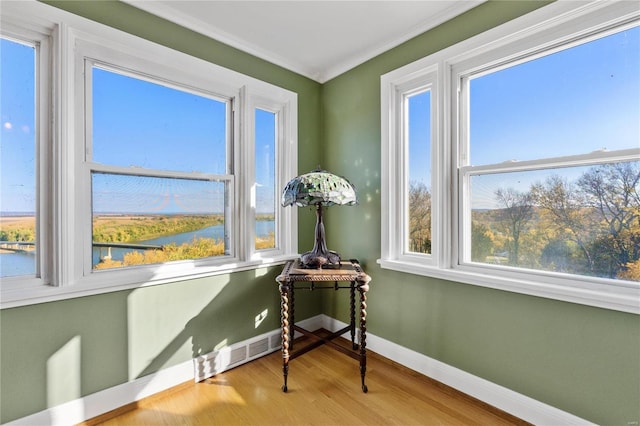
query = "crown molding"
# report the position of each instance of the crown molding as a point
(320, 74)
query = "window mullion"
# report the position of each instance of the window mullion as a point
(397, 176)
(443, 207)
(593, 158)
(403, 184)
(138, 171)
(245, 161)
(44, 76)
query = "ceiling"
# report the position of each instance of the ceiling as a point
(318, 39)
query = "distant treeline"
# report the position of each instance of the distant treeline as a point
(123, 229)
(23, 229)
(588, 227)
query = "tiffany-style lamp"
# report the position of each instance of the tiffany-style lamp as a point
(321, 189)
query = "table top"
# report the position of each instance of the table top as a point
(348, 271)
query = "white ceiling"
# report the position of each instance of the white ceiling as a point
(318, 39)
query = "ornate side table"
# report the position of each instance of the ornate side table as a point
(294, 277)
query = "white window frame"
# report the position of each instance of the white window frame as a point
(42, 37)
(67, 200)
(395, 128)
(554, 26)
(285, 235)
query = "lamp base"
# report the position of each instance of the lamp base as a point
(318, 260)
(320, 256)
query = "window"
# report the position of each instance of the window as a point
(160, 172)
(265, 169)
(24, 156)
(18, 157)
(540, 174)
(418, 140)
(161, 166)
(410, 235)
(270, 234)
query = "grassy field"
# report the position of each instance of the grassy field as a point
(9, 222)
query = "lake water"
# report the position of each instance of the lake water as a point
(263, 228)
(14, 264)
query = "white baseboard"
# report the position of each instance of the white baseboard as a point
(93, 405)
(85, 408)
(514, 403)
(81, 409)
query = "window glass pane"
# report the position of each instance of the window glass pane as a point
(17, 159)
(578, 220)
(158, 127)
(265, 179)
(419, 162)
(572, 102)
(143, 220)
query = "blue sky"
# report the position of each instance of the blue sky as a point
(17, 147)
(159, 128)
(575, 102)
(266, 194)
(420, 138)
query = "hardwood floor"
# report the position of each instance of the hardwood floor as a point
(324, 389)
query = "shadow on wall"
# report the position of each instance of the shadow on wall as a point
(57, 352)
(231, 305)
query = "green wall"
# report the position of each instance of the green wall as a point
(55, 352)
(580, 359)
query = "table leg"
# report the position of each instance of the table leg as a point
(284, 315)
(352, 324)
(363, 333)
(292, 313)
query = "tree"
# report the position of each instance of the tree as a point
(565, 206)
(481, 243)
(559, 255)
(631, 272)
(600, 213)
(419, 218)
(612, 192)
(516, 214)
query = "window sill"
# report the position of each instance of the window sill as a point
(12, 298)
(617, 298)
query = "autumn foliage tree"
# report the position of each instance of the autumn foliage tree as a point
(419, 218)
(612, 194)
(599, 215)
(563, 213)
(516, 214)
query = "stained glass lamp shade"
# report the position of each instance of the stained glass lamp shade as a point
(319, 188)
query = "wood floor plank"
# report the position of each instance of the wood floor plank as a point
(324, 389)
